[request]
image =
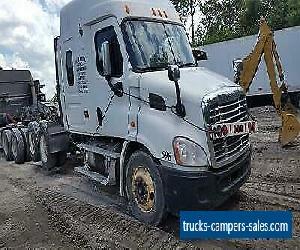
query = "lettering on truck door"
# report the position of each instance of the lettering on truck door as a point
(72, 101)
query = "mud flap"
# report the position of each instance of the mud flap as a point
(57, 137)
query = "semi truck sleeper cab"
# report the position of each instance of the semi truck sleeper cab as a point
(147, 117)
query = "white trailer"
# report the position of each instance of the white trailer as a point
(170, 135)
(221, 57)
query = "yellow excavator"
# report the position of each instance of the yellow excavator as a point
(247, 69)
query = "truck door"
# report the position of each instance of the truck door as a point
(102, 101)
(70, 94)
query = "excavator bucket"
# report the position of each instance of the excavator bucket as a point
(290, 128)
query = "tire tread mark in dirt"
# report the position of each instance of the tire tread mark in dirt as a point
(283, 201)
(288, 190)
(99, 226)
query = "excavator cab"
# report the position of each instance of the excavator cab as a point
(246, 69)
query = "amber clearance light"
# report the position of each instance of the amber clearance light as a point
(158, 12)
(153, 12)
(127, 9)
(165, 13)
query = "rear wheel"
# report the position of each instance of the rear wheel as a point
(145, 189)
(1, 144)
(18, 146)
(25, 135)
(33, 143)
(61, 158)
(49, 160)
(6, 140)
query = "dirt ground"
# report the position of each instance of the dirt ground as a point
(69, 211)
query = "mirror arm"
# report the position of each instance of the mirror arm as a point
(117, 88)
(109, 81)
(174, 76)
(180, 109)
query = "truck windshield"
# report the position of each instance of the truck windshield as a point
(155, 45)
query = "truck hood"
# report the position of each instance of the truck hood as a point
(199, 82)
(195, 83)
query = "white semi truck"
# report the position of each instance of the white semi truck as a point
(171, 135)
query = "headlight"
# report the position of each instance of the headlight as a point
(188, 153)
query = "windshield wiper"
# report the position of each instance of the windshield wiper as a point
(151, 68)
(190, 64)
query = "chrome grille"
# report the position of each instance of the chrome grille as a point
(234, 111)
(227, 108)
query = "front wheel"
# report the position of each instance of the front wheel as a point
(144, 189)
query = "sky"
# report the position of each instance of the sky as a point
(28, 28)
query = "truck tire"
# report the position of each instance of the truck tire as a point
(49, 160)
(25, 135)
(1, 144)
(6, 140)
(18, 146)
(61, 158)
(144, 189)
(33, 142)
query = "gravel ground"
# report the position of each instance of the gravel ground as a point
(68, 211)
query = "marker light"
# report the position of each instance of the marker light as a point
(166, 15)
(160, 13)
(127, 9)
(153, 12)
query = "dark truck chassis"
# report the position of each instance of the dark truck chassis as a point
(25, 116)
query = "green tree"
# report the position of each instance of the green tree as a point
(250, 15)
(187, 9)
(219, 20)
(293, 13)
(276, 13)
(222, 20)
(182, 7)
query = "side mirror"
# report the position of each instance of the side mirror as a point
(237, 69)
(105, 58)
(174, 73)
(199, 55)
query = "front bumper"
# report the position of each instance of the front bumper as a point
(204, 190)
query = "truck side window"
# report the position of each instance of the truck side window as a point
(109, 34)
(69, 67)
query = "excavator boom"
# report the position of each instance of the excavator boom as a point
(266, 48)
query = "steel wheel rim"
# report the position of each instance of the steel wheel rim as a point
(143, 189)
